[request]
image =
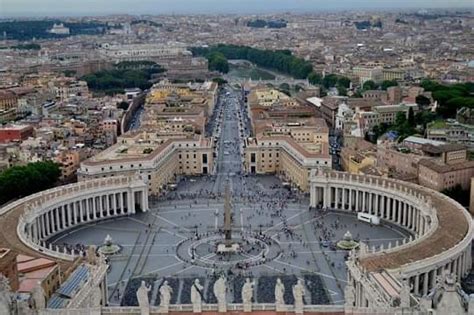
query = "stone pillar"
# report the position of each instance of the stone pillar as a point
(350, 199)
(376, 206)
(144, 200)
(399, 211)
(409, 217)
(48, 226)
(94, 208)
(357, 201)
(417, 285)
(131, 202)
(100, 206)
(363, 201)
(63, 215)
(41, 226)
(80, 212)
(343, 198)
(425, 283)
(71, 213)
(404, 217)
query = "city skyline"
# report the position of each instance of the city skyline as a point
(11, 8)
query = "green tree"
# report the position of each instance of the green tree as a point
(411, 117)
(422, 100)
(123, 105)
(369, 85)
(388, 83)
(315, 78)
(344, 82)
(218, 62)
(20, 181)
(330, 81)
(342, 91)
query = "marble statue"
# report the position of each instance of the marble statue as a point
(142, 297)
(298, 294)
(349, 294)
(165, 297)
(247, 294)
(6, 305)
(96, 297)
(279, 292)
(196, 296)
(220, 290)
(39, 297)
(91, 254)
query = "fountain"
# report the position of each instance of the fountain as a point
(109, 248)
(347, 242)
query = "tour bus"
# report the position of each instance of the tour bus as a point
(369, 218)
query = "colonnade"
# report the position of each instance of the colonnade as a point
(77, 204)
(371, 201)
(84, 210)
(406, 205)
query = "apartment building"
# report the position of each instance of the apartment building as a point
(288, 140)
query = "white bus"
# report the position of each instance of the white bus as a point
(369, 218)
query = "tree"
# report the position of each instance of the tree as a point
(219, 81)
(123, 105)
(344, 82)
(369, 85)
(20, 181)
(315, 78)
(400, 119)
(422, 101)
(330, 81)
(342, 91)
(411, 117)
(388, 83)
(218, 62)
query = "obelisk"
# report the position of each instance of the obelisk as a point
(227, 217)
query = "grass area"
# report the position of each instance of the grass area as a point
(438, 124)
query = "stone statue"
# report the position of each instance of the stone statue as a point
(142, 297)
(247, 294)
(91, 254)
(220, 291)
(405, 293)
(349, 294)
(298, 294)
(6, 305)
(196, 296)
(279, 292)
(96, 297)
(165, 297)
(38, 297)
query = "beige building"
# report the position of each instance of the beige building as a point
(158, 160)
(288, 139)
(440, 176)
(283, 156)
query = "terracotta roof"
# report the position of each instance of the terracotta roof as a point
(446, 168)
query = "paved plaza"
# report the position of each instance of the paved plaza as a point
(279, 237)
(157, 245)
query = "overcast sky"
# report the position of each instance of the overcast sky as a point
(96, 7)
